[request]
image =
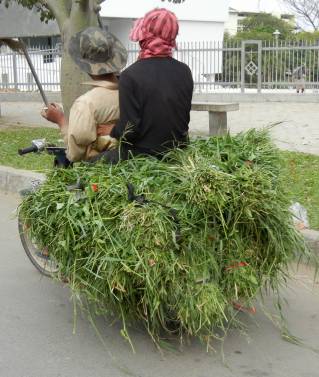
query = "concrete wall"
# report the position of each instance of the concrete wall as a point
(200, 20)
(196, 31)
(213, 97)
(190, 31)
(257, 98)
(194, 10)
(121, 28)
(16, 21)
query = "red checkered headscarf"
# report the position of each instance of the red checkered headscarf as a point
(156, 32)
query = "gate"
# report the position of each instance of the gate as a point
(251, 65)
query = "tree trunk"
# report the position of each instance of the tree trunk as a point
(71, 77)
(81, 17)
(72, 17)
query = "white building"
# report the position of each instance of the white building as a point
(275, 7)
(200, 20)
(240, 10)
(231, 25)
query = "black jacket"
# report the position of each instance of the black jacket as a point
(155, 104)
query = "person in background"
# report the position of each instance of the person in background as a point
(92, 116)
(155, 92)
(299, 77)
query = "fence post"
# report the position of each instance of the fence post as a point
(15, 71)
(243, 61)
(259, 78)
(5, 80)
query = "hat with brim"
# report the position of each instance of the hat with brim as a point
(97, 52)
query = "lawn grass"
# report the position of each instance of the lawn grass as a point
(300, 171)
(301, 176)
(12, 139)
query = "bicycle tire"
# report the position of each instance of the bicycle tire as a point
(45, 268)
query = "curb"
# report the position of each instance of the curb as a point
(14, 180)
(207, 97)
(29, 97)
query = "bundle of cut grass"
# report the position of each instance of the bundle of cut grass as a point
(178, 244)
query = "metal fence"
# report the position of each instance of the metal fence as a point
(15, 73)
(241, 66)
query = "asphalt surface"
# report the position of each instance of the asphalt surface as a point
(37, 340)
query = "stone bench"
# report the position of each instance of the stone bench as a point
(217, 115)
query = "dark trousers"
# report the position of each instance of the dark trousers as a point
(110, 156)
(125, 152)
(121, 153)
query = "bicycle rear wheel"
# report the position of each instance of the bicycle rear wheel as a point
(38, 257)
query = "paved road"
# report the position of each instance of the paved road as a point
(36, 340)
(298, 129)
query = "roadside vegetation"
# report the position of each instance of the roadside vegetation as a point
(263, 25)
(300, 171)
(301, 174)
(13, 139)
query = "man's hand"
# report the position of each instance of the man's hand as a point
(104, 129)
(54, 114)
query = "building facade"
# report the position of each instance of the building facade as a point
(240, 10)
(200, 20)
(201, 32)
(16, 21)
(231, 25)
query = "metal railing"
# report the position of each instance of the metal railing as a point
(217, 66)
(281, 59)
(15, 73)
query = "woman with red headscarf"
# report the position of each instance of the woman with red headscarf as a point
(155, 92)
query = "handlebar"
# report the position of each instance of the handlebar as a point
(31, 149)
(59, 153)
(38, 145)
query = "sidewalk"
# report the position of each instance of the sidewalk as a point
(298, 129)
(22, 113)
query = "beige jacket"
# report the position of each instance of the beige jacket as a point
(96, 107)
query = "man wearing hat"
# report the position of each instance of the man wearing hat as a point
(155, 92)
(86, 132)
